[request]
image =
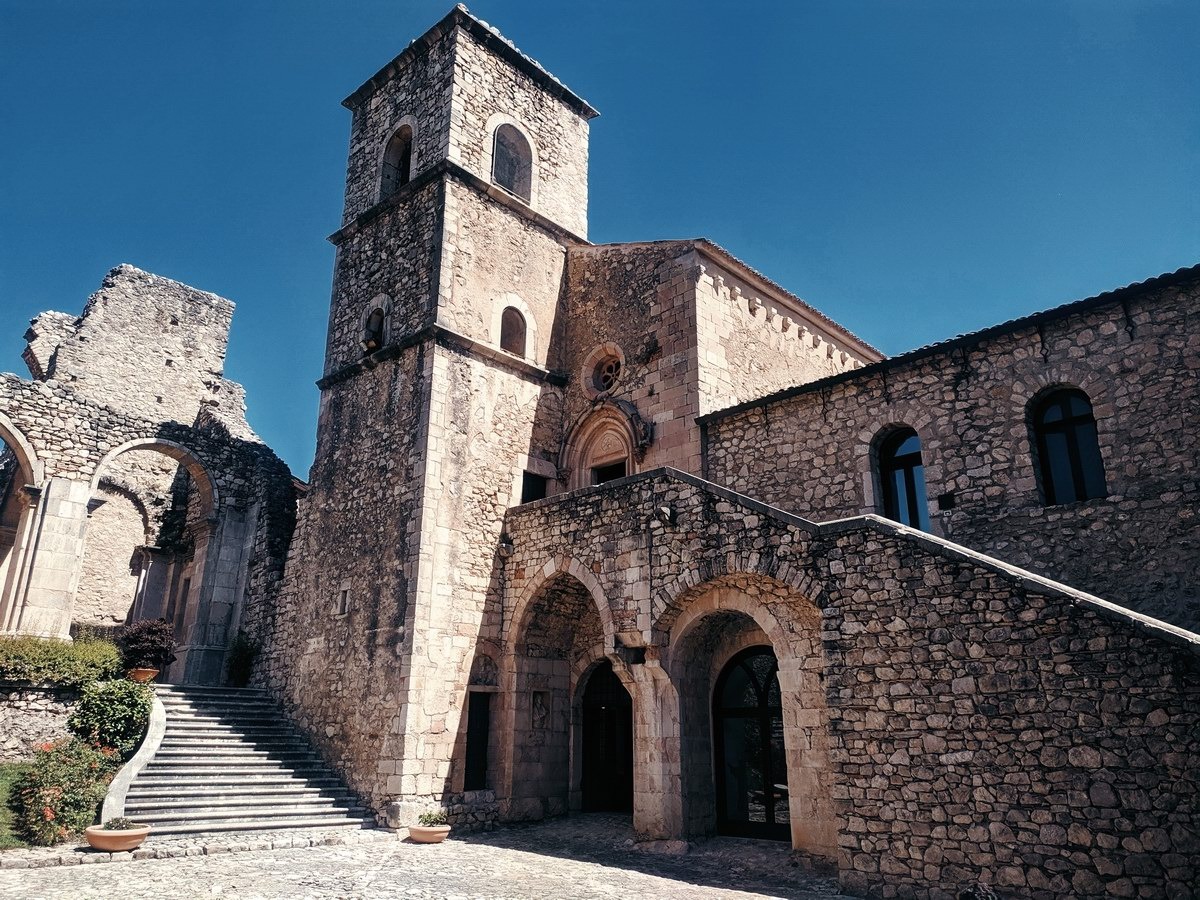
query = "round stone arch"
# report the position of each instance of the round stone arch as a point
(533, 349)
(382, 151)
(494, 122)
(866, 449)
(556, 568)
(705, 626)
(27, 459)
(197, 469)
(600, 437)
(1028, 393)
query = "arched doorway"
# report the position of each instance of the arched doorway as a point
(607, 743)
(751, 764)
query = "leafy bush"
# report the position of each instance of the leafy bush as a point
(47, 661)
(147, 644)
(433, 817)
(57, 795)
(242, 653)
(112, 714)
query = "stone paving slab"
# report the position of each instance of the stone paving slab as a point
(582, 857)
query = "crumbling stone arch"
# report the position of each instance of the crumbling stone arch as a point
(197, 469)
(27, 458)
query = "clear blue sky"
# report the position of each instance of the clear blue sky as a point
(914, 170)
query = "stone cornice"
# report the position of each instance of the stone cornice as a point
(451, 340)
(447, 169)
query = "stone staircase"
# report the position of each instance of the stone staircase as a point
(230, 761)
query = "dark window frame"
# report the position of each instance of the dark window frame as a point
(512, 162)
(1075, 429)
(889, 463)
(514, 331)
(396, 170)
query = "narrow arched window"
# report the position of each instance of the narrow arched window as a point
(397, 162)
(373, 330)
(902, 478)
(1069, 465)
(512, 331)
(512, 162)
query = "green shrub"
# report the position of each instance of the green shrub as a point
(147, 644)
(67, 663)
(112, 714)
(58, 794)
(433, 818)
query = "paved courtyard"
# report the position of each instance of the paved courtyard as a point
(580, 857)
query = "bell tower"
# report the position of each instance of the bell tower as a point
(466, 183)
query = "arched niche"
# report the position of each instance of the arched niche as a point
(605, 445)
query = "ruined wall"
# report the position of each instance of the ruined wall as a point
(485, 87)
(94, 423)
(144, 345)
(1135, 356)
(983, 724)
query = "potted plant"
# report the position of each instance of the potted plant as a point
(116, 835)
(147, 647)
(431, 828)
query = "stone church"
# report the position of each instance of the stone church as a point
(631, 527)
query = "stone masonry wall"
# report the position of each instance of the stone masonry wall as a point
(486, 87)
(417, 93)
(396, 257)
(31, 715)
(343, 676)
(984, 724)
(753, 340)
(1136, 356)
(494, 258)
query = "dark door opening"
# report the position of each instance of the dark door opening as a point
(752, 792)
(479, 718)
(607, 745)
(609, 472)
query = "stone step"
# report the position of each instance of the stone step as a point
(218, 768)
(229, 761)
(237, 751)
(219, 792)
(330, 823)
(245, 809)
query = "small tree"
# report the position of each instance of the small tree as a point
(112, 714)
(148, 644)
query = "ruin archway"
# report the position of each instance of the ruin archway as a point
(168, 556)
(19, 469)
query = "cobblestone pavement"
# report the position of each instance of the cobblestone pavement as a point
(581, 857)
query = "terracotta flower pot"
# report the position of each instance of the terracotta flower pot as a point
(116, 840)
(141, 675)
(428, 834)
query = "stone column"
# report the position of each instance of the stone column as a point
(219, 563)
(657, 782)
(806, 746)
(45, 577)
(151, 600)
